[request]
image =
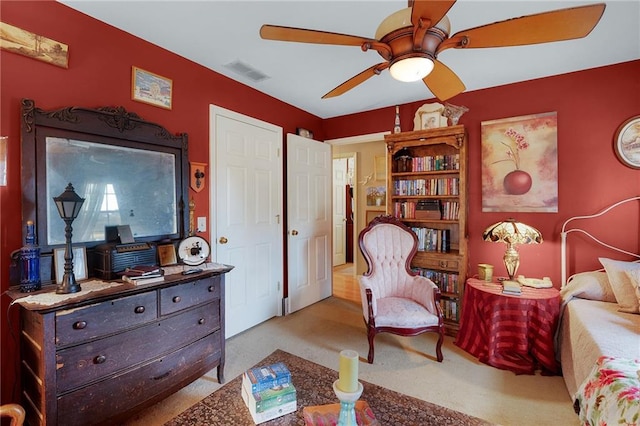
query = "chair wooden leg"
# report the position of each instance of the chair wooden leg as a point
(439, 347)
(371, 334)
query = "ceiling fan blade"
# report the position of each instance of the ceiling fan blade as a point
(357, 79)
(563, 24)
(301, 35)
(432, 10)
(443, 82)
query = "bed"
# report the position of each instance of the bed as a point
(598, 339)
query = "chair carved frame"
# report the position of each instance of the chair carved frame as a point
(372, 328)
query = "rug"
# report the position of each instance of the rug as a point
(313, 383)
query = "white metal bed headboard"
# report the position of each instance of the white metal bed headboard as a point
(565, 232)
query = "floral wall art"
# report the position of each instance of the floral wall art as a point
(520, 164)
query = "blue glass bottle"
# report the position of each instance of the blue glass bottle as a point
(30, 262)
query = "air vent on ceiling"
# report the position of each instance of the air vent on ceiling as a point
(247, 71)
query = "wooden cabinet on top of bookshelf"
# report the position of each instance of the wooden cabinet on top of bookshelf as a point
(427, 190)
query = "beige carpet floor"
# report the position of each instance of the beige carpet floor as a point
(403, 364)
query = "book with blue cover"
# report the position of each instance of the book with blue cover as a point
(266, 377)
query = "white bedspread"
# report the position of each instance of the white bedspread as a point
(590, 329)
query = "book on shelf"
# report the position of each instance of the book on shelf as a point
(268, 376)
(511, 287)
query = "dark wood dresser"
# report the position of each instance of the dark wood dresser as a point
(100, 358)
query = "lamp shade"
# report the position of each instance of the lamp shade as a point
(68, 203)
(512, 232)
(411, 69)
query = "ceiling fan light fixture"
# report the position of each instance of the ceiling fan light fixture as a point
(411, 69)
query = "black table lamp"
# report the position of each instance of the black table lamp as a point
(68, 204)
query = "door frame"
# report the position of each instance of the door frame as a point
(353, 140)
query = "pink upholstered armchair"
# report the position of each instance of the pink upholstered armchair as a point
(395, 299)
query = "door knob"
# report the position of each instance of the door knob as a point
(294, 232)
(223, 240)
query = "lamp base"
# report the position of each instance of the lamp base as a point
(511, 261)
(68, 285)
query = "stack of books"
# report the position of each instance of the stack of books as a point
(268, 392)
(143, 274)
(511, 287)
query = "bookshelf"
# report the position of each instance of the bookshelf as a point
(427, 190)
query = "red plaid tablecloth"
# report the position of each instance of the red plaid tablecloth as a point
(513, 333)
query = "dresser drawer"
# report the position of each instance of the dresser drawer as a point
(100, 401)
(101, 319)
(176, 298)
(79, 365)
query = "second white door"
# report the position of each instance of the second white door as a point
(309, 221)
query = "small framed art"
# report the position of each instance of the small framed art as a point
(430, 116)
(151, 88)
(167, 255)
(79, 263)
(626, 142)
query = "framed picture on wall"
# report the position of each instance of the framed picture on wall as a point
(380, 168)
(151, 88)
(376, 196)
(520, 164)
(626, 142)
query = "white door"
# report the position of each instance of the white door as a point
(309, 221)
(246, 208)
(339, 211)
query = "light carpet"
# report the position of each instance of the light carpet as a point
(403, 364)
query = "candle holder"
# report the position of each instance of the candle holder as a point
(347, 405)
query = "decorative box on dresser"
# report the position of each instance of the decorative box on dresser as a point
(427, 189)
(103, 356)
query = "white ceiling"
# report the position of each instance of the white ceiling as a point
(215, 33)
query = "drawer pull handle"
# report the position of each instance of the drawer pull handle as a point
(162, 376)
(79, 325)
(177, 299)
(210, 289)
(100, 359)
(139, 309)
(443, 264)
(201, 321)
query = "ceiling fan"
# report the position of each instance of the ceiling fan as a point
(410, 40)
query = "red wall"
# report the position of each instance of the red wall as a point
(590, 106)
(99, 74)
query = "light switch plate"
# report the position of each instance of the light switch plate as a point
(202, 224)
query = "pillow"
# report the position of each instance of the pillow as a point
(589, 285)
(634, 276)
(621, 284)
